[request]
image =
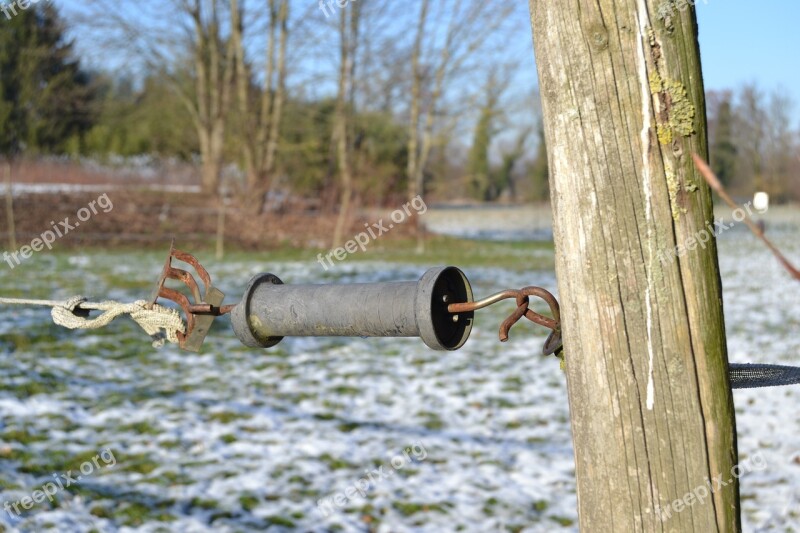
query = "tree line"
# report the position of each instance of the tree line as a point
(752, 143)
(370, 103)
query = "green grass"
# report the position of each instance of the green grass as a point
(226, 417)
(334, 463)
(440, 250)
(280, 521)
(139, 463)
(540, 506)
(562, 520)
(137, 513)
(132, 379)
(411, 508)
(22, 436)
(248, 502)
(57, 461)
(142, 428)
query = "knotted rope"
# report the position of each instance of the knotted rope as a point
(161, 323)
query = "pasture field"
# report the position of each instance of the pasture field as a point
(235, 439)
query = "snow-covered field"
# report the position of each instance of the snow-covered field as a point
(235, 439)
(19, 189)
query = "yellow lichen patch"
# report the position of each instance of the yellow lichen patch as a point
(672, 188)
(681, 112)
(677, 108)
(656, 84)
(691, 187)
(651, 36)
(664, 132)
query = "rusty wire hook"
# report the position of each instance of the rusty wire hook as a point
(206, 305)
(522, 297)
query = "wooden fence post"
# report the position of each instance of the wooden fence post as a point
(651, 406)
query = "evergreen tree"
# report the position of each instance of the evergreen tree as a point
(136, 120)
(45, 98)
(539, 170)
(723, 149)
(478, 164)
(478, 159)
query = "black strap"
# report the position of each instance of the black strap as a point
(749, 376)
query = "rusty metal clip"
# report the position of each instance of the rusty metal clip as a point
(553, 343)
(206, 306)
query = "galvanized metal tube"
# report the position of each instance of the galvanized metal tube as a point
(271, 310)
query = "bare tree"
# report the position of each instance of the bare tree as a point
(751, 133)
(414, 163)
(469, 24)
(214, 69)
(345, 100)
(779, 144)
(157, 37)
(261, 108)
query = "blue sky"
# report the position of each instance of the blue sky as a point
(747, 40)
(740, 41)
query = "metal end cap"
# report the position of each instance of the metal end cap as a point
(438, 328)
(243, 321)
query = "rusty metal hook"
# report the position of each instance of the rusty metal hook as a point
(522, 297)
(206, 306)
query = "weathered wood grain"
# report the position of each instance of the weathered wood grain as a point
(651, 407)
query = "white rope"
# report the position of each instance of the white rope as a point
(152, 321)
